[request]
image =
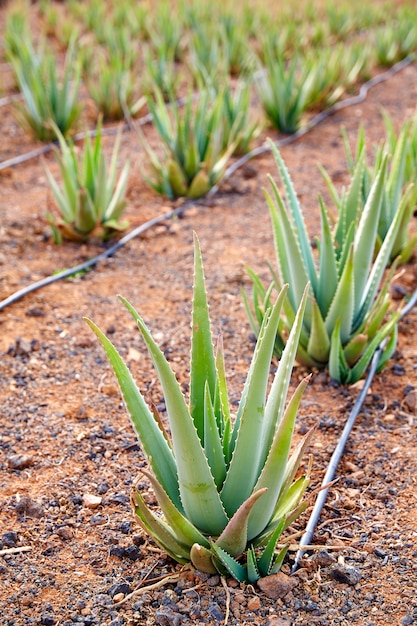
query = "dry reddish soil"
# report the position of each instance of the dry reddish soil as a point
(65, 436)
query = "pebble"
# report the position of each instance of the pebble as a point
(167, 617)
(26, 507)
(119, 589)
(277, 585)
(345, 574)
(65, 533)
(9, 539)
(410, 401)
(91, 501)
(118, 597)
(254, 604)
(20, 461)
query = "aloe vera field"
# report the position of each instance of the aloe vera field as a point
(284, 137)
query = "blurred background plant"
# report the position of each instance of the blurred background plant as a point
(195, 147)
(90, 200)
(49, 101)
(283, 88)
(400, 185)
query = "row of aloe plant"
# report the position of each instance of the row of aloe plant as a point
(214, 50)
(346, 316)
(228, 487)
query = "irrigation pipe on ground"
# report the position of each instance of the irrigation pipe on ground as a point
(338, 452)
(348, 102)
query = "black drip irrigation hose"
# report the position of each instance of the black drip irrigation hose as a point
(91, 262)
(320, 117)
(306, 539)
(188, 203)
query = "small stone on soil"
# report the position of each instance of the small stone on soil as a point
(345, 574)
(91, 501)
(26, 507)
(9, 539)
(277, 585)
(20, 461)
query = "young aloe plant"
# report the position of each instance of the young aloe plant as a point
(111, 84)
(225, 487)
(48, 102)
(193, 139)
(400, 185)
(283, 89)
(344, 320)
(90, 200)
(236, 118)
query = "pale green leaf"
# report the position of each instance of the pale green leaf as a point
(198, 492)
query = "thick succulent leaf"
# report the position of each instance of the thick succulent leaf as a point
(358, 370)
(338, 367)
(117, 205)
(395, 182)
(389, 349)
(182, 529)
(346, 249)
(365, 237)
(342, 306)
(224, 400)
(266, 559)
(278, 560)
(242, 475)
(350, 205)
(252, 571)
(291, 499)
(156, 528)
(381, 262)
(202, 559)
(85, 219)
(273, 473)
(380, 307)
(203, 364)
(354, 348)
(176, 178)
(295, 459)
(328, 277)
(234, 538)
(279, 389)
(297, 216)
(287, 248)
(200, 499)
(234, 568)
(213, 446)
(155, 446)
(318, 342)
(200, 185)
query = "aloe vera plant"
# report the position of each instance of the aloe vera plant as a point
(193, 141)
(111, 84)
(236, 117)
(283, 89)
(400, 185)
(225, 487)
(49, 101)
(90, 200)
(345, 316)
